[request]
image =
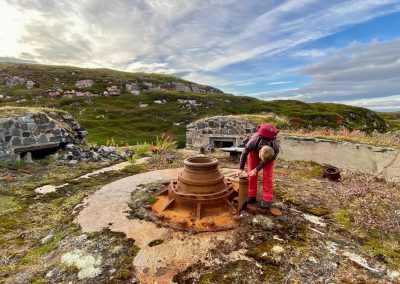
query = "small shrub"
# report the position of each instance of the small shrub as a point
(111, 142)
(151, 200)
(165, 143)
(142, 150)
(19, 163)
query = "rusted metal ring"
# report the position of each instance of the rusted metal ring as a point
(201, 162)
(200, 182)
(331, 172)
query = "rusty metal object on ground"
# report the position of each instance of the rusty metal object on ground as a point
(243, 191)
(276, 211)
(331, 172)
(200, 195)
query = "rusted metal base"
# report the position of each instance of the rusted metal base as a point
(199, 199)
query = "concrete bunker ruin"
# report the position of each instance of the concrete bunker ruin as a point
(219, 132)
(36, 134)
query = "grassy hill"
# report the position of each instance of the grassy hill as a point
(162, 108)
(392, 119)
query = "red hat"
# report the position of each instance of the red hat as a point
(268, 130)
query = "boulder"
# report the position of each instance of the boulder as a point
(113, 91)
(84, 84)
(30, 84)
(132, 88)
(47, 239)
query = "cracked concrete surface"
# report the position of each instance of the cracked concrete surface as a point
(108, 208)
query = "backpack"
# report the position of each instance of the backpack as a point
(268, 131)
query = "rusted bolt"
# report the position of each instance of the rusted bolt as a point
(148, 207)
(182, 223)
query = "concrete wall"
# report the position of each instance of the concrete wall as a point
(344, 155)
(218, 128)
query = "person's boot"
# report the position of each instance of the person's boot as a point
(252, 200)
(265, 204)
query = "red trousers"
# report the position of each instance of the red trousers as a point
(268, 177)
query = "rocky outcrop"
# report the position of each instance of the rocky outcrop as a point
(132, 88)
(13, 81)
(60, 93)
(113, 91)
(84, 84)
(181, 87)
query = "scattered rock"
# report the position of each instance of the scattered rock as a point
(30, 84)
(160, 101)
(277, 249)
(143, 105)
(263, 222)
(50, 274)
(73, 162)
(47, 239)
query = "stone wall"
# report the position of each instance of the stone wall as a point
(36, 131)
(219, 130)
(344, 155)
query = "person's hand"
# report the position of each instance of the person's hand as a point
(239, 173)
(253, 172)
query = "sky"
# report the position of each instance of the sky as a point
(309, 50)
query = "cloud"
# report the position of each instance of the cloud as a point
(280, 83)
(205, 41)
(245, 84)
(16, 60)
(309, 53)
(391, 103)
(196, 39)
(361, 73)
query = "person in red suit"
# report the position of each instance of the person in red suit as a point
(260, 152)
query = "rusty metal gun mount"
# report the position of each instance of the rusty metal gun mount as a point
(199, 199)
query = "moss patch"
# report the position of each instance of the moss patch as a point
(240, 271)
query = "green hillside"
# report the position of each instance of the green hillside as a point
(161, 109)
(392, 119)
